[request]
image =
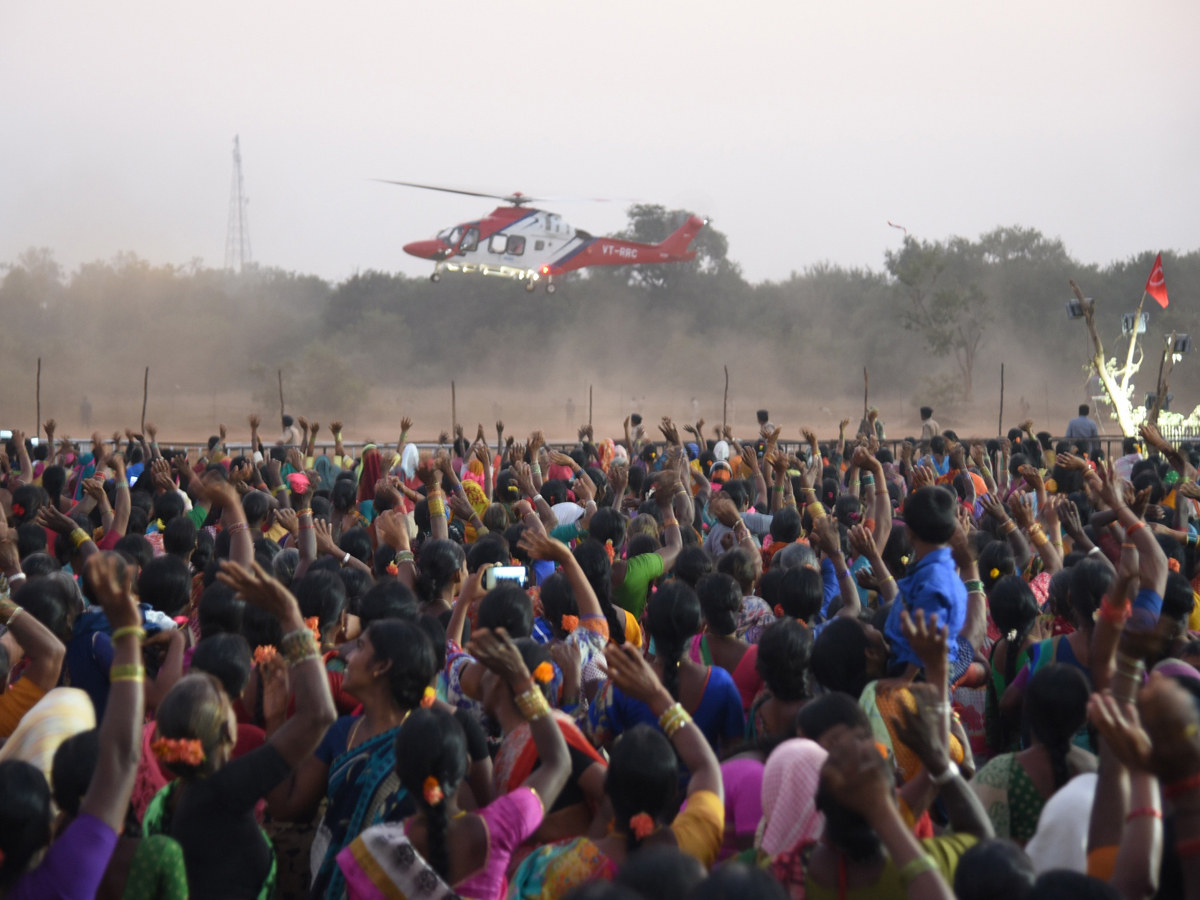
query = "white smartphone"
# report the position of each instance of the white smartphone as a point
(497, 574)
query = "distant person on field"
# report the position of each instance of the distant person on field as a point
(291, 434)
(1083, 427)
(929, 427)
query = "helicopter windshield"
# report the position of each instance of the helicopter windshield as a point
(450, 236)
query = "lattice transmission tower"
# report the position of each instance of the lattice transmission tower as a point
(237, 233)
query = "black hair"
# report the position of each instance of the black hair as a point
(260, 628)
(1015, 611)
(720, 602)
(642, 777)
(1178, 600)
(801, 593)
(356, 542)
(828, 710)
(1055, 709)
(490, 548)
(203, 551)
(24, 817)
(736, 881)
(166, 584)
(36, 565)
(661, 873)
(1090, 581)
(388, 599)
(431, 744)
(785, 525)
(839, 657)
(31, 538)
(356, 582)
(846, 830)
(220, 611)
(256, 505)
(53, 479)
(344, 495)
(439, 562)
(227, 658)
(30, 498)
(736, 491)
(71, 772)
(692, 564)
(937, 444)
(50, 602)
(554, 491)
(411, 655)
(784, 653)
(136, 546)
(607, 524)
(434, 630)
(179, 537)
(321, 594)
(929, 513)
(509, 607)
(1065, 884)
(168, 506)
(994, 870)
(739, 563)
(995, 555)
(672, 617)
(507, 489)
(593, 559)
(558, 600)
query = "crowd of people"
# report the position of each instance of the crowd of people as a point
(683, 668)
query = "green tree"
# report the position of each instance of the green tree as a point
(950, 318)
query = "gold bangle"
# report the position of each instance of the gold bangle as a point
(79, 537)
(132, 672)
(297, 646)
(1008, 527)
(673, 718)
(533, 704)
(137, 630)
(8, 611)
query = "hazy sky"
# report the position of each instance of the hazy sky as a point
(799, 127)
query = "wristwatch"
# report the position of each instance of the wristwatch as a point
(946, 777)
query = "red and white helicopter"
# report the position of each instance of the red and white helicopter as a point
(527, 244)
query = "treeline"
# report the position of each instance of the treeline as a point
(799, 342)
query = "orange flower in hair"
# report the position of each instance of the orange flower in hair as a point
(544, 673)
(433, 791)
(264, 653)
(1173, 564)
(313, 624)
(610, 551)
(428, 698)
(779, 613)
(393, 569)
(178, 750)
(569, 624)
(642, 826)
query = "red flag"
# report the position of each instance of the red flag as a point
(1156, 284)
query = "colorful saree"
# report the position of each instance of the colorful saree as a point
(363, 790)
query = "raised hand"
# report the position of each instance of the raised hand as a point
(923, 476)
(542, 546)
(221, 432)
(461, 507)
(111, 582)
(978, 455)
(50, 425)
(921, 729)
(480, 437)
(255, 421)
(630, 672)
(827, 534)
(862, 541)
(257, 587)
(928, 639)
(499, 428)
(152, 431)
(325, 542)
(391, 527)
(854, 774)
(335, 427)
(1021, 506)
(723, 510)
(286, 517)
(809, 435)
(50, 517)
(843, 425)
(497, 652)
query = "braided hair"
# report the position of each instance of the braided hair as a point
(1015, 612)
(1055, 709)
(593, 559)
(673, 616)
(431, 762)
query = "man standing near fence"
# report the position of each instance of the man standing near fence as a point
(1082, 427)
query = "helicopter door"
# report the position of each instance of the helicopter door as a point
(470, 241)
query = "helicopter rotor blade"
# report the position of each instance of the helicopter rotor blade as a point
(433, 187)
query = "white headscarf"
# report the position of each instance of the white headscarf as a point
(409, 460)
(1061, 839)
(721, 450)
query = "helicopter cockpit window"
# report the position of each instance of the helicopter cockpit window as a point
(516, 245)
(450, 236)
(470, 240)
(498, 243)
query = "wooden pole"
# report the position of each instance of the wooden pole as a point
(725, 403)
(453, 411)
(1000, 427)
(279, 372)
(1132, 343)
(37, 429)
(145, 396)
(589, 406)
(866, 390)
(1160, 386)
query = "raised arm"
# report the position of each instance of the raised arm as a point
(664, 495)
(43, 651)
(630, 672)
(108, 793)
(829, 539)
(299, 736)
